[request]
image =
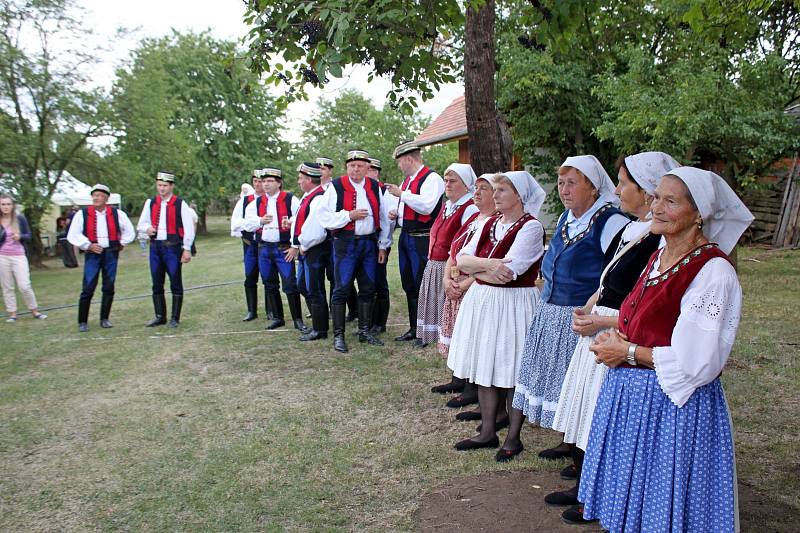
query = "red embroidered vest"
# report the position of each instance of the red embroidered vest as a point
(413, 221)
(283, 206)
(487, 248)
(649, 313)
(112, 223)
(346, 197)
(443, 231)
(302, 212)
(174, 218)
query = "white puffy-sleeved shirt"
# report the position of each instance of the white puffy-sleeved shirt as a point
(449, 207)
(426, 201)
(312, 232)
(528, 246)
(704, 334)
(76, 237)
(332, 219)
(616, 222)
(269, 232)
(187, 216)
(237, 218)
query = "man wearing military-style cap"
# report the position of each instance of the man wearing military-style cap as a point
(171, 240)
(249, 246)
(418, 201)
(353, 211)
(326, 165)
(380, 313)
(101, 231)
(314, 244)
(272, 213)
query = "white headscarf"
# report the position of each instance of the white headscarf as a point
(464, 172)
(647, 168)
(246, 190)
(594, 171)
(725, 216)
(530, 192)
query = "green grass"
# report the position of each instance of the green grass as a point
(223, 426)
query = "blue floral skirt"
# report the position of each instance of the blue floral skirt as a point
(653, 466)
(548, 350)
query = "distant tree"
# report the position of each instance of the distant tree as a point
(182, 105)
(48, 110)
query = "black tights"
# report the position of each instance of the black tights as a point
(491, 401)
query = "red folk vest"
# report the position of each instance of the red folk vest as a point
(174, 219)
(283, 206)
(346, 197)
(443, 231)
(411, 219)
(302, 212)
(486, 248)
(649, 314)
(112, 223)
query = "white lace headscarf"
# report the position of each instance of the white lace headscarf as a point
(594, 172)
(647, 168)
(464, 172)
(530, 192)
(246, 190)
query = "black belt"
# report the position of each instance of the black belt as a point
(168, 243)
(351, 235)
(419, 233)
(280, 245)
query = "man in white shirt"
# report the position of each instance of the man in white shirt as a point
(171, 242)
(352, 209)
(314, 245)
(101, 231)
(272, 214)
(326, 164)
(419, 200)
(249, 246)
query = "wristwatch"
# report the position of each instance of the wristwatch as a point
(631, 358)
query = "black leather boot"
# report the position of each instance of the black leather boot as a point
(160, 307)
(319, 322)
(380, 315)
(83, 315)
(365, 324)
(352, 304)
(105, 311)
(251, 297)
(296, 310)
(177, 303)
(411, 334)
(275, 306)
(339, 343)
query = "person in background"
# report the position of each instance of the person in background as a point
(101, 231)
(171, 239)
(195, 220)
(14, 230)
(249, 243)
(380, 313)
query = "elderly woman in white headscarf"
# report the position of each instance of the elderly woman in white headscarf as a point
(571, 270)
(638, 176)
(660, 454)
(459, 182)
(504, 257)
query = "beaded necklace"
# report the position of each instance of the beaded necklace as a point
(565, 236)
(521, 220)
(680, 264)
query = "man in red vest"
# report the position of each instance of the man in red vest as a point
(272, 214)
(353, 210)
(101, 231)
(314, 244)
(419, 200)
(171, 242)
(250, 247)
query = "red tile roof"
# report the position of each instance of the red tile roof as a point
(449, 126)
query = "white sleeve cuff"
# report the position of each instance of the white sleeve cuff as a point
(673, 382)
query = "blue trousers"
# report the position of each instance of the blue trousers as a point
(413, 258)
(311, 269)
(382, 278)
(271, 264)
(250, 264)
(166, 261)
(95, 264)
(354, 260)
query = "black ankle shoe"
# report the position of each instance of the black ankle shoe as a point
(574, 515)
(157, 321)
(563, 497)
(275, 324)
(106, 323)
(569, 472)
(83, 327)
(468, 416)
(447, 388)
(469, 444)
(461, 401)
(497, 426)
(313, 335)
(409, 335)
(300, 326)
(504, 456)
(369, 338)
(555, 453)
(173, 323)
(339, 344)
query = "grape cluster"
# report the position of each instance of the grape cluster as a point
(312, 30)
(310, 76)
(530, 44)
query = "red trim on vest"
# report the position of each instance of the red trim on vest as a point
(155, 215)
(350, 197)
(486, 248)
(444, 231)
(305, 209)
(90, 224)
(648, 314)
(414, 185)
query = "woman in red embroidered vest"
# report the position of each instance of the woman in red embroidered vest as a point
(660, 454)
(459, 181)
(101, 231)
(456, 284)
(504, 257)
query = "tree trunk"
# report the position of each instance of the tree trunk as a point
(202, 227)
(489, 148)
(35, 248)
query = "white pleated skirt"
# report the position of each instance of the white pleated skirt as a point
(489, 334)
